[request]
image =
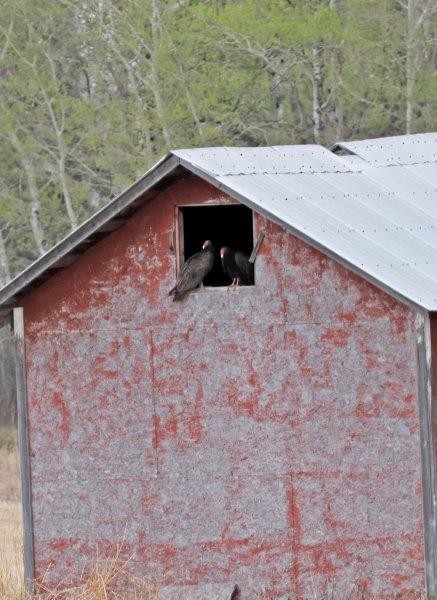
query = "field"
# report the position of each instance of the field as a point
(11, 567)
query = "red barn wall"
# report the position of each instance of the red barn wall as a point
(433, 332)
(267, 437)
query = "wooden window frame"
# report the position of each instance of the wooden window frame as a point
(179, 229)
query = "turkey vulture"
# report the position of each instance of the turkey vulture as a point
(194, 271)
(236, 264)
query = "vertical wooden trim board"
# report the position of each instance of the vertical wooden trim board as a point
(180, 245)
(23, 443)
(423, 341)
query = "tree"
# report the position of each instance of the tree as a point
(93, 93)
(418, 14)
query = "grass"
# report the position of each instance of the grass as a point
(11, 565)
(106, 575)
(104, 584)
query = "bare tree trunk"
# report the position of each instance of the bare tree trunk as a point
(410, 75)
(35, 204)
(185, 83)
(58, 127)
(5, 272)
(276, 94)
(192, 108)
(317, 82)
(337, 62)
(159, 104)
(64, 185)
(133, 79)
(140, 102)
(418, 14)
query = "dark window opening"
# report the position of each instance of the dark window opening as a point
(226, 225)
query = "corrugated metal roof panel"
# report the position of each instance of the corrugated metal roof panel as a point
(378, 213)
(398, 150)
(273, 159)
(389, 256)
(427, 172)
(389, 197)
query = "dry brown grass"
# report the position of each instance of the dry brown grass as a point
(11, 565)
(105, 583)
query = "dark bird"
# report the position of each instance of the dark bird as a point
(236, 264)
(194, 271)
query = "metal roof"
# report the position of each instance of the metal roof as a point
(373, 209)
(274, 160)
(400, 150)
(378, 216)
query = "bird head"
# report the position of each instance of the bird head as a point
(223, 251)
(207, 245)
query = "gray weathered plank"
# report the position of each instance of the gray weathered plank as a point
(426, 409)
(23, 443)
(255, 251)
(208, 591)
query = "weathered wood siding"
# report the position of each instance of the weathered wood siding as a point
(267, 436)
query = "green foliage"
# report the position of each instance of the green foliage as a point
(93, 93)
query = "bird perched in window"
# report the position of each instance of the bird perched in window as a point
(237, 266)
(194, 271)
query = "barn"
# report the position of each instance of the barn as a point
(273, 441)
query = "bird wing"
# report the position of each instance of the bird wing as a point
(244, 266)
(229, 266)
(194, 271)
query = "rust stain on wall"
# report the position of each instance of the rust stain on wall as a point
(267, 437)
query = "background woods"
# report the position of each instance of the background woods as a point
(93, 92)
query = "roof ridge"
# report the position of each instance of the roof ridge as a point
(299, 163)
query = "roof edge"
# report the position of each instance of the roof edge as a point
(305, 238)
(92, 225)
(153, 176)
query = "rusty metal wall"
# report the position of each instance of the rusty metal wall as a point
(267, 437)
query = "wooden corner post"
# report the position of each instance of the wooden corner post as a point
(23, 444)
(426, 410)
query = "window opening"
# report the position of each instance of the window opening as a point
(225, 225)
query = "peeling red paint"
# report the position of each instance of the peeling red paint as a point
(337, 337)
(294, 523)
(64, 412)
(268, 436)
(195, 424)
